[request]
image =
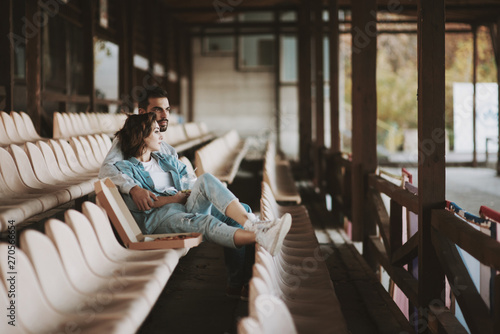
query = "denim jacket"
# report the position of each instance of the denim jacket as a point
(169, 163)
(122, 180)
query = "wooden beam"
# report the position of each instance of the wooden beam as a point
(395, 227)
(403, 279)
(479, 245)
(474, 309)
(496, 310)
(431, 143)
(34, 69)
(474, 96)
(364, 112)
(304, 63)
(7, 44)
(319, 81)
(401, 196)
(407, 252)
(277, 78)
(333, 24)
(89, 14)
(381, 217)
(498, 81)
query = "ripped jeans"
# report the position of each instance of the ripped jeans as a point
(197, 215)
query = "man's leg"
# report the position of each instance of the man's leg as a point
(239, 261)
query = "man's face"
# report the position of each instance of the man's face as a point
(161, 107)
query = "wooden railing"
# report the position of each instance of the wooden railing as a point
(448, 232)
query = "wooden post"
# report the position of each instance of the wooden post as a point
(7, 56)
(319, 79)
(304, 57)
(496, 305)
(277, 78)
(431, 145)
(364, 113)
(89, 12)
(33, 69)
(498, 81)
(333, 10)
(474, 96)
(124, 67)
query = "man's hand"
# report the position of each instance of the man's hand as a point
(142, 198)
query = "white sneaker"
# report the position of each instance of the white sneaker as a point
(271, 237)
(253, 224)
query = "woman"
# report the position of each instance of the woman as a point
(176, 211)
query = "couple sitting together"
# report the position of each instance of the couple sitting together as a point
(148, 173)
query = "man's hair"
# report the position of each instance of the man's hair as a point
(133, 133)
(152, 92)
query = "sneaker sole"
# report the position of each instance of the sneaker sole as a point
(286, 224)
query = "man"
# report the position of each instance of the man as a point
(155, 100)
(238, 261)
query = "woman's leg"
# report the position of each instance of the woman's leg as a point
(208, 191)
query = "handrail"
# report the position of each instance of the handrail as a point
(482, 247)
(401, 196)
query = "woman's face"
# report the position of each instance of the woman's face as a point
(153, 141)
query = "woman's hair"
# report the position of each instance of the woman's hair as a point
(133, 133)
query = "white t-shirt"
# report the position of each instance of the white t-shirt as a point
(161, 179)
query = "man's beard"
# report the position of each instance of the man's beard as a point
(163, 128)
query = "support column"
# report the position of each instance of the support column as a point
(431, 145)
(89, 13)
(364, 112)
(474, 96)
(498, 81)
(277, 78)
(304, 53)
(333, 10)
(319, 79)
(7, 56)
(33, 70)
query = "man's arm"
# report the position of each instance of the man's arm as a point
(109, 170)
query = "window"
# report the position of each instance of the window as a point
(289, 63)
(106, 58)
(256, 52)
(256, 17)
(218, 45)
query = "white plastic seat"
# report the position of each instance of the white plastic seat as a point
(28, 122)
(23, 131)
(107, 141)
(82, 275)
(60, 128)
(85, 183)
(15, 185)
(73, 159)
(103, 265)
(44, 174)
(85, 157)
(273, 315)
(30, 180)
(103, 146)
(11, 130)
(188, 164)
(112, 248)
(249, 326)
(61, 293)
(38, 315)
(4, 139)
(68, 162)
(96, 149)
